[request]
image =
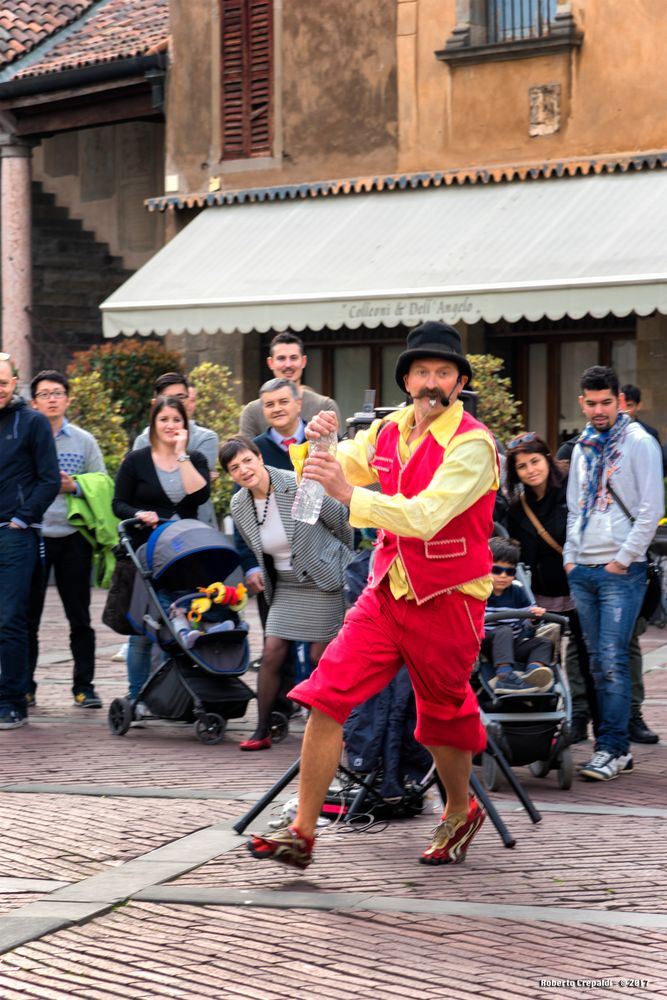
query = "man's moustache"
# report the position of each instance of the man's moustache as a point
(438, 397)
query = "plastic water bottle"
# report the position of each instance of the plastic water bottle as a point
(310, 494)
(183, 629)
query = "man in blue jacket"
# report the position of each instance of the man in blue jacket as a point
(29, 482)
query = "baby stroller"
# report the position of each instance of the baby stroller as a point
(531, 729)
(200, 658)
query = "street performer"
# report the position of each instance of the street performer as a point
(424, 603)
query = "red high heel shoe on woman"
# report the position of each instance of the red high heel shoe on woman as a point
(263, 744)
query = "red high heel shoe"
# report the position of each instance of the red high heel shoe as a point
(263, 744)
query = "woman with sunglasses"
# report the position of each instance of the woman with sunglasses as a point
(537, 518)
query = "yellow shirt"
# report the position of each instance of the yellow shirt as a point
(469, 470)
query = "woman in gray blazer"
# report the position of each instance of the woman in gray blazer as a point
(300, 567)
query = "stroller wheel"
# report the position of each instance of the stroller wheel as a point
(539, 768)
(211, 729)
(491, 772)
(565, 769)
(120, 716)
(279, 727)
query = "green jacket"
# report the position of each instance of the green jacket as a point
(91, 514)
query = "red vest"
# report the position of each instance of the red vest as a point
(459, 552)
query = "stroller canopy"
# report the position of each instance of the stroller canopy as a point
(188, 554)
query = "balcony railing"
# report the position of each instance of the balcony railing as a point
(509, 20)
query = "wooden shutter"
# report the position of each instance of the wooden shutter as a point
(247, 42)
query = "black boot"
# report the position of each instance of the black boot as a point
(639, 731)
(579, 728)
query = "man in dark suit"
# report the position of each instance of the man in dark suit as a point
(281, 405)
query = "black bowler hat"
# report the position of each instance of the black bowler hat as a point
(432, 340)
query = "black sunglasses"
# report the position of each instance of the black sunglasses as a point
(507, 570)
(517, 442)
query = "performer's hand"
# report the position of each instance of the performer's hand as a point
(322, 424)
(323, 468)
(568, 568)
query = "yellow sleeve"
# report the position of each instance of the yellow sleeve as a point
(356, 454)
(469, 470)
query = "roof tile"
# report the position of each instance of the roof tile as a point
(25, 23)
(119, 29)
(621, 162)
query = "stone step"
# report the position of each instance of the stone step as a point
(68, 230)
(76, 278)
(48, 213)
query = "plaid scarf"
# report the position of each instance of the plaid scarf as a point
(601, 454)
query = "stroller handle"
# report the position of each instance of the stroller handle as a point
(512, 613)
(134, 522)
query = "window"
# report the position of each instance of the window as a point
(488, 30)
(512, 19)
(246, 71)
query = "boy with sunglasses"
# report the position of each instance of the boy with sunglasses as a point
(509, 643)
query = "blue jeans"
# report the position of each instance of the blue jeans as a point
(18, 556)
(139, 651)
(608, 605)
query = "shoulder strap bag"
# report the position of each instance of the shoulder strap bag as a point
(653, 596)
(539, 527)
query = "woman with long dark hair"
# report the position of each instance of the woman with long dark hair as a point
(164, 480)
(537, 518)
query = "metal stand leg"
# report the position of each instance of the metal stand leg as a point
(494, 750)
(268, 797)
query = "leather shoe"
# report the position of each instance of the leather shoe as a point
(639, 731)
(264, 744)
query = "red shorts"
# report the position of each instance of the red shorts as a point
(439, 641)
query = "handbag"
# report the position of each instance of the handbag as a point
(118, 599)
(539, 527)
(653, 595)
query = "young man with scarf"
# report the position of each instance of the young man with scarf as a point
(615, 464)
(424, 604)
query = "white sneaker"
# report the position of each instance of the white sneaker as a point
(121, 655)
(603, 766)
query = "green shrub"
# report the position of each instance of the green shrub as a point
(218, 409)
(496, 406)
(128, 369)
(93, 408)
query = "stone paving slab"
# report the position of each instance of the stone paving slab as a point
(158, 950)
(70, 838)
(490, 928)
(554, 862)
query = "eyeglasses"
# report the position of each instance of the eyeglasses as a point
(507, 570)
(517, 442)
(53, 394)
(180, 396)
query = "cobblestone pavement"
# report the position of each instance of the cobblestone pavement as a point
(121, 875)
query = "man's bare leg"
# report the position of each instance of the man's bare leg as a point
(320, 754)
(454, 767)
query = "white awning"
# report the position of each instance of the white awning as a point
(585, 245)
